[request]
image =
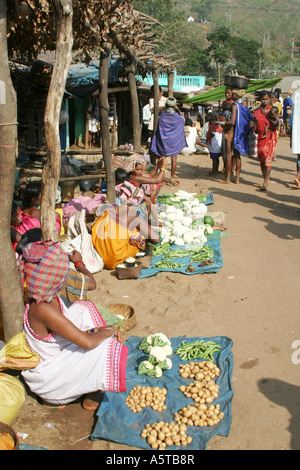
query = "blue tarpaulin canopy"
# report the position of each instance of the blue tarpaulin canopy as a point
(83, 79)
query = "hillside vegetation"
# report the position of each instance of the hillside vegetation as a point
(267, 30)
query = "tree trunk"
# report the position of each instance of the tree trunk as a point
(51, 171)
(104, 123)
(170, 83)
(11, 297)
(136, 119)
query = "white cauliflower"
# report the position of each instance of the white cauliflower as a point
(158, 353)
(188, 237)
(168, 349)
(163, 338)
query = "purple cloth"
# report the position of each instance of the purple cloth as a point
(169, 138)
(81, 202)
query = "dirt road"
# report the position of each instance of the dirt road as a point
(253, 300)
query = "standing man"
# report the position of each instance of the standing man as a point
(169, 138)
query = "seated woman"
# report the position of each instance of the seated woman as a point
(78, 353)
(120, 233)
(148, 178)
(128, 193)
(15, 222)
(79, 280)
(30, 212)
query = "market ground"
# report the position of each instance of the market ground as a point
(253, 299)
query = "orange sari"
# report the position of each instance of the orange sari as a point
(113, 240)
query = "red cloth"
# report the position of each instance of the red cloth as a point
(266, 146)
(211, 130)
(44, 266)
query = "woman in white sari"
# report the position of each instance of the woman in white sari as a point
(78, 353)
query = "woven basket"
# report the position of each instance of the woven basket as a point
(129, 273)
(5, 428)
(127, 311)
(145, 261)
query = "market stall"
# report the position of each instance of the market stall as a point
(120, 418)
(190, 237)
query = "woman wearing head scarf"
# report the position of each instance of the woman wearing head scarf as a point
(78, 353)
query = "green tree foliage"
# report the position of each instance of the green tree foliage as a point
(246, 55)
(202, 8)
(219, 47)
(165, 11)
(198, 63)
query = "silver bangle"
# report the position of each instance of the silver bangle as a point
(108, 328)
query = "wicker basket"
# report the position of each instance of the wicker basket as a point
(5, 428)
(129, 273)
(145, 261)
(127, 311)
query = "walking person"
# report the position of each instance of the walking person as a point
(266, 141)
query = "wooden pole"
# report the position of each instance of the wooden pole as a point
(11, 296)
(51, 171)
(86, 138)
(114, 129)
(136, 119)
(104, 123)
(171, 76)
(155, 75)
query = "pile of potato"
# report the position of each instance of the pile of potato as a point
(161, 434)
(201, 392)
(139, 397)
(199, 415)
(205, 370)
(203, 413)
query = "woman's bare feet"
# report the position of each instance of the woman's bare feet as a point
(224, 181)
(297, 183)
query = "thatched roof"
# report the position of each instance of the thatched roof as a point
(31, 28)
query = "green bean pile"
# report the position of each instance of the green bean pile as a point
(203, 349)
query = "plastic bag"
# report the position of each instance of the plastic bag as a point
(12, 397)
(80, 240)
(17, 355)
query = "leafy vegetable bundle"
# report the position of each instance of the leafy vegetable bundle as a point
(196, 254)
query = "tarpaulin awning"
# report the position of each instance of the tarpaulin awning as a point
(219, 92)
(83, 80)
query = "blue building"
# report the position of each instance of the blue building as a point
(183, 83)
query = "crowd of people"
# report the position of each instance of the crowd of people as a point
(228, 132)
(66, 329)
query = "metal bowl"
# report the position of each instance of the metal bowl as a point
(234, 81)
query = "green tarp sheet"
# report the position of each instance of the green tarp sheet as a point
(219, 92)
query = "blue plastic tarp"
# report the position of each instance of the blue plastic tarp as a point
(217, 260)
(117, 423)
